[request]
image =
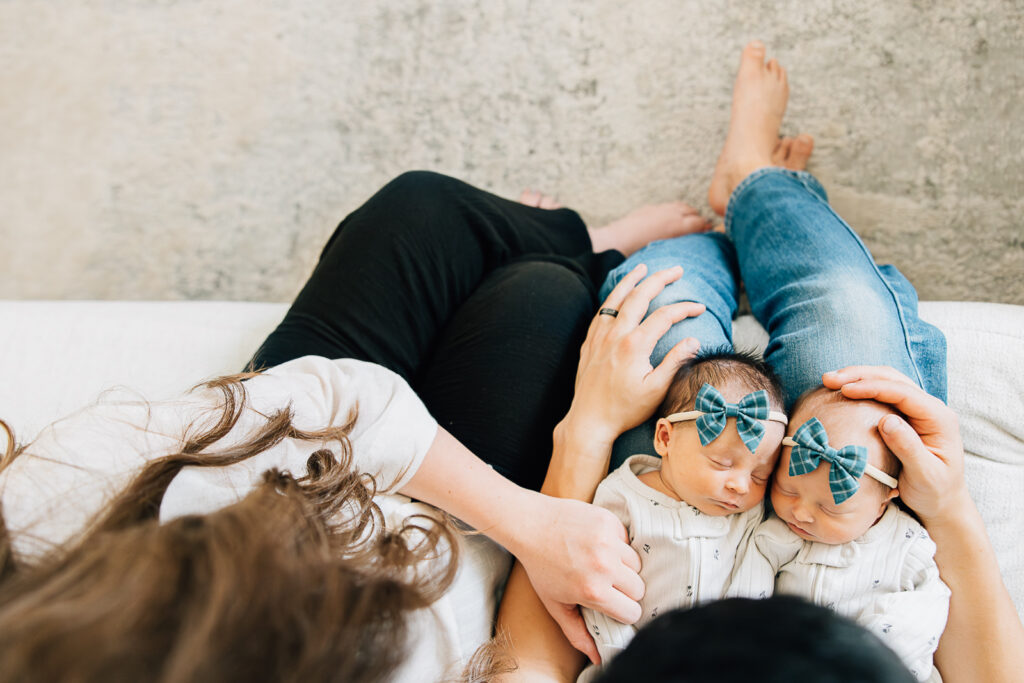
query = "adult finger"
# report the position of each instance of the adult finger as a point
(617, 605)
(571, 622)
(636, 303)
(624, 287)
(631, 558)
(927, 414)
(852, 373)
(904, 442)
(666, 370)
(658, 323)
(629, 583)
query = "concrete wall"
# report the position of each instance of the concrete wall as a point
(187, 149)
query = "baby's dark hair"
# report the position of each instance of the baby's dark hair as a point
(717, 367)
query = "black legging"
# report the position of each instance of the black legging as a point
(480, 303)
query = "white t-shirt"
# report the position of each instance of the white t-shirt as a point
(76, 465)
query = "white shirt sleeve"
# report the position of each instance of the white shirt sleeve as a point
(78, 464)
(911, 620)
(390, 437)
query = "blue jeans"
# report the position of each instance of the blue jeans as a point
(811, 282)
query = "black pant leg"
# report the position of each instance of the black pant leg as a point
(503, 370)
(397, 268)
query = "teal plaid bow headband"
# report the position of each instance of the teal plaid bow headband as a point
(810, 447)
(713, 411)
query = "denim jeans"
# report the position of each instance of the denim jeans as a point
(811, 282)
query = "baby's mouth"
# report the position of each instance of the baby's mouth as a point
(799, 529)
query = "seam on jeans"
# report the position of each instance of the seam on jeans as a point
(744, 184)
(885, 283)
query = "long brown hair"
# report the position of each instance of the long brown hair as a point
(298, 581)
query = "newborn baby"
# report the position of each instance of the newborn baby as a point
(719, 438)
(838, 538)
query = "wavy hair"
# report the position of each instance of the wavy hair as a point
(300, 580)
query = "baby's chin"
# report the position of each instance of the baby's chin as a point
(713, 508)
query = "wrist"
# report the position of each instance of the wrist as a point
(956, 512)
(517, 529)
(579, 461)
(581, 437)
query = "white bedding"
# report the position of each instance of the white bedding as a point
(56, 357)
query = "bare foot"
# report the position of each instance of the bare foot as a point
(758, 104)
(793, 153)
(646, 224)
(538, 199)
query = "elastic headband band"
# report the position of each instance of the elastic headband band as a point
(869, 469)
(774, 416)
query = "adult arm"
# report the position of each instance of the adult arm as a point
(984, 637)
(616, 389)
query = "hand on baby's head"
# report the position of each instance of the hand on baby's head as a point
(826, 488)
(720, 432)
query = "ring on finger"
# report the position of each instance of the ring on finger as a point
(608, 311)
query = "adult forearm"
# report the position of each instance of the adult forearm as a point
(453, 479)
(579, 460)
(984, 638)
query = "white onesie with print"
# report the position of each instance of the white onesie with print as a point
(686, 556)
(886, 580)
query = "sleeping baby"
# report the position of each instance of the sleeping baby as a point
(838, 538)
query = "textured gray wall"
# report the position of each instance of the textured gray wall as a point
(186, 149)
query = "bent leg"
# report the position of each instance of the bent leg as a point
(502, 373)
(396, 269)
(816, 289)
(710, 277)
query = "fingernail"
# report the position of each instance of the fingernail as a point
(692, 344)
(891, 424)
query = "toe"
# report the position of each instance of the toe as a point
(548, 202)
(787, 148)
(684, 208)
(752, 58)
(773, 66)
(803, 145)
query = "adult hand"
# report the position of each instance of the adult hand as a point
(928, 442)
(616, 386)
(577, 554)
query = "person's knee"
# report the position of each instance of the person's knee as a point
(552, 293)
(415, 187)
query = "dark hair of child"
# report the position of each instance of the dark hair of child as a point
(733, 641)
(718, 367)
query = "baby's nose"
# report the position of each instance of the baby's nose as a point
(801, 513)
(738, 485)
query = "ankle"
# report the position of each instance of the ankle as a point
(739, 172)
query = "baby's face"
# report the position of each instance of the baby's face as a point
(805, 502)
(722, 478)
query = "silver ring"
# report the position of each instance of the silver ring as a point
(608, 311)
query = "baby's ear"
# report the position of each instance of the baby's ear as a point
(893, 494)
(662, 436)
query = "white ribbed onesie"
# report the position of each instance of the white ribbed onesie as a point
(886, 580)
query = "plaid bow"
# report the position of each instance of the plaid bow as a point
(812, 447)
(751, 408)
